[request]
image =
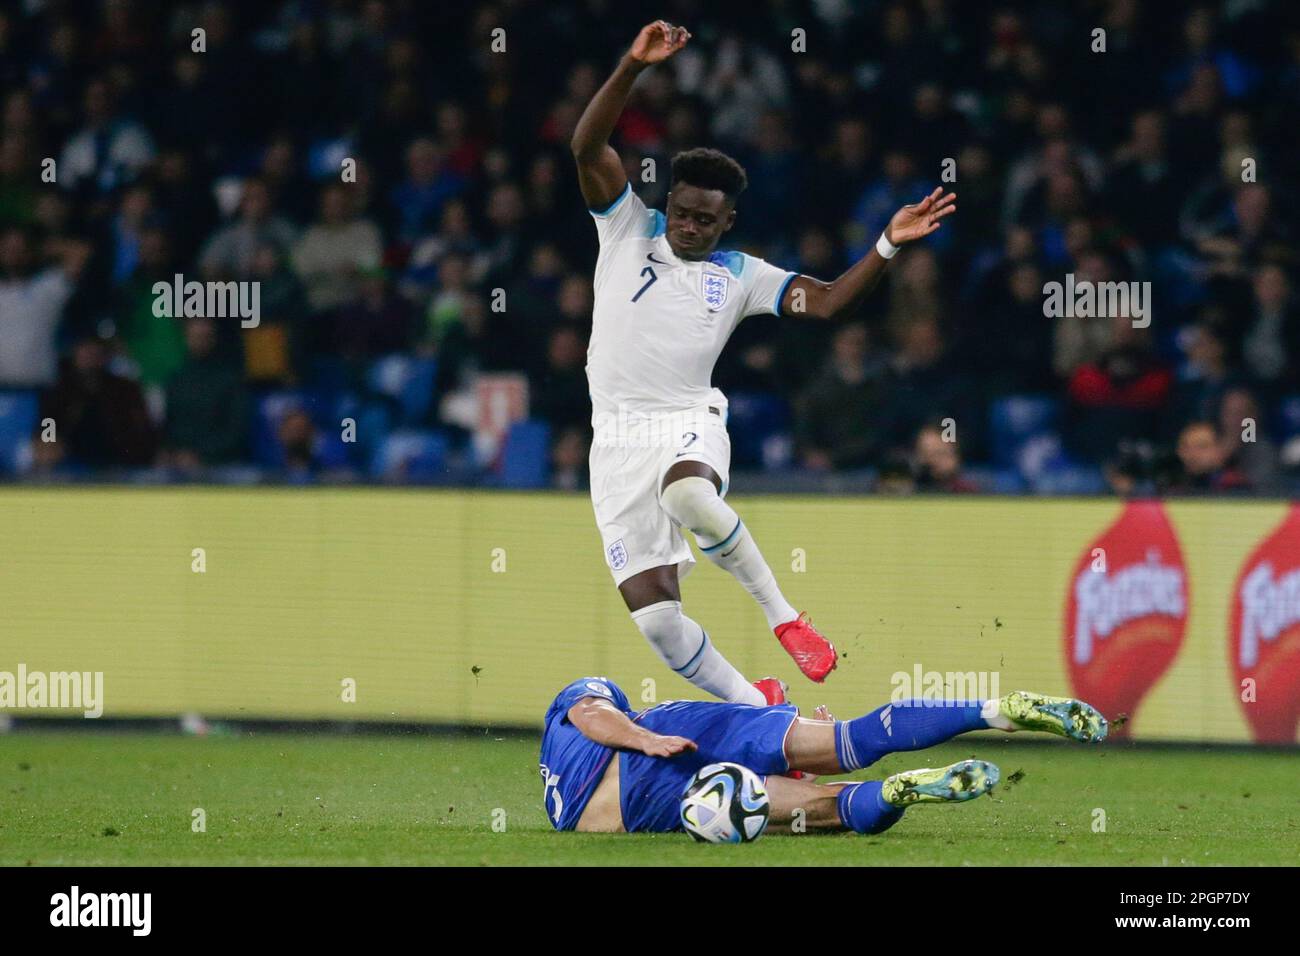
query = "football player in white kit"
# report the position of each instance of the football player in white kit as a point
(666, 301)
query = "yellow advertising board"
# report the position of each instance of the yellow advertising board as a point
(476, 607)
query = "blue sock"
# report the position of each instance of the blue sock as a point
(907, 725)
(863, 810)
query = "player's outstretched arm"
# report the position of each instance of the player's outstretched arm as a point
(600, 173)
(827, 300)
(602, 722)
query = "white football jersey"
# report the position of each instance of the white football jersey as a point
(660, 322)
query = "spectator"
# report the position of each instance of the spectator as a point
(1079, 339)
(379, 322)
(179, 189)
(1246, 440)
(1009, 339)
(445, 305)
(1250, 233)
(156, 343)
(775, 170)
(417, 202)
(937, 463)
(1120, 395)
(136, 213)
(207, 406)
(926, 384)
(898, 186)
(303, 449)
(282, 171)
(99, 418)
(229, 253)
(455, 236)
(108, 151)
(839, 173)
(463, 347)
(1271, 343)
(507, 236)
(838, 419)
(1206, 463)
(334, 251)
(1144, 187)
(569, 460)
(559, 394)
(17, 190)
(31, 306)
(275, 349)
(1206, 372)
(1134, 470)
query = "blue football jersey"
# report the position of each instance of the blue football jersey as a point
(571, 764)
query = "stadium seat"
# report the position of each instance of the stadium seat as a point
(410, 455)
(1070, 480)
(324, 156)
(18, 412)
(406, 380)
(753, 418)
(328, 406)
(525, 456)
(1015, 420)
(996, 481)
(1288, 417)
(1040, 454)
(269, 411)
(374, 422)
(326, 409)
(329, 373)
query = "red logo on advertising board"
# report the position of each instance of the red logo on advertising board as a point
(1126, 611)
(1264, 634)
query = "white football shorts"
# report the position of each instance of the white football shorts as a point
(628, 464)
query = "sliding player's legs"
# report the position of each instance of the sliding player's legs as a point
(873, 806)
(654, 600)
(797, 805)
(841, 746)
(767, 740)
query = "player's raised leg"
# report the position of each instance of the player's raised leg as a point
(692, 498)
(654, 599)
(840, 746)
(1063, 716)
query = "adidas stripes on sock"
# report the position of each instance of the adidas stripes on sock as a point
(863, 809)
(908, 725)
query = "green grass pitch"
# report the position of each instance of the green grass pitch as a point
(420, 799)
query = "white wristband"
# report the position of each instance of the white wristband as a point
(886, 248)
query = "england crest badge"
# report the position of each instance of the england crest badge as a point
(715, 288)
(617, 555)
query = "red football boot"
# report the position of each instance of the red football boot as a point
(814, 654)
(772, 689)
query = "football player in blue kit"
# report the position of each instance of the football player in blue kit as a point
(658, 751)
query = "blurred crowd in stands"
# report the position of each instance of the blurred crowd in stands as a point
(1164, 159)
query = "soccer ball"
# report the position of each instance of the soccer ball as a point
(725, 803)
